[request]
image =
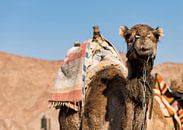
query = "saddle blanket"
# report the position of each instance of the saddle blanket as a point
(168, 104)
(82, 63)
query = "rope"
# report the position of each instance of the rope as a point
(144, 85)
(144, 105)
(152, 100)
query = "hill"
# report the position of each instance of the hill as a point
(24, 92)
(172, 74)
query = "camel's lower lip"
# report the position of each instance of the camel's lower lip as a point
(145, 52)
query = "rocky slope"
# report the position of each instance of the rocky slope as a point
(24, 86)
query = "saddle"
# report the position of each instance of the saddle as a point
(171, 101)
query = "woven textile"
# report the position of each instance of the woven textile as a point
(68, 83)
(169, 105)
(80, 65)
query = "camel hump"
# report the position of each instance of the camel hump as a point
(82, 63)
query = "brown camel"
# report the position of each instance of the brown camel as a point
(115, 102)
(142, 44)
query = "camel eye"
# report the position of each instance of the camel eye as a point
(148, 36)
(137, 36)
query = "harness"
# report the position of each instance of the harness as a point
(143, 79)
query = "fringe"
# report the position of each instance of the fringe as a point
(72, 105)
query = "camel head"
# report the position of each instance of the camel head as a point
(141, 39)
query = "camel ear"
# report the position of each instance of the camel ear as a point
(122, 31)
(158, 32)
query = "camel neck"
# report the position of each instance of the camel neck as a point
(136, 69)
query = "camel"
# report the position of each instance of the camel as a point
(116, 102)
(141, 42)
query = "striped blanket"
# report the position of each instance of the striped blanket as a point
(80, 65)
(68, 81)
(168, 104)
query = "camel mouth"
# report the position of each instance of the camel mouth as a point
(144, 51)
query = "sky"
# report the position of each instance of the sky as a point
(46, 29)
